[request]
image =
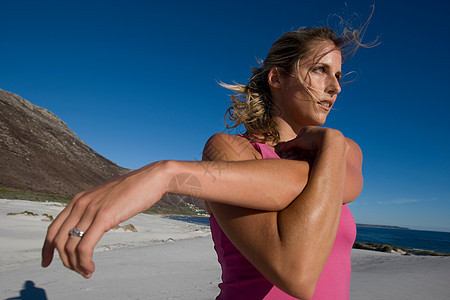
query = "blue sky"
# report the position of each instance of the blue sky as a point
(137, 81)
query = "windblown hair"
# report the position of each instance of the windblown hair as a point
(252, 103)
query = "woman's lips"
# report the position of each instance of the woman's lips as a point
(325, 104)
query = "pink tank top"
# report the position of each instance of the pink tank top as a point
(240, 280)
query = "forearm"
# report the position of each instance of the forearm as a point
(270, 184)
(307, 229)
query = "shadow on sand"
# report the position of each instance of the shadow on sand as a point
(30, 292)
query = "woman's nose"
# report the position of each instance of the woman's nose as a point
(333, 86)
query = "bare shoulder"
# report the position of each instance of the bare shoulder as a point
(355, 152)
(227, 147)
(353, 144)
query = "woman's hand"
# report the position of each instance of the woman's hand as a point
(96, 211)
(308, 142)
(311, 140)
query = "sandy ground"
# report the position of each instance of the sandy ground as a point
(168, 259)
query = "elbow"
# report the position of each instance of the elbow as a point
(301, 287)
(300, 281)
(283, 200)
(280, 202)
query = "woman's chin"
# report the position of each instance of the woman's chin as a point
(319, 122)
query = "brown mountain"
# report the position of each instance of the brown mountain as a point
(40, 154)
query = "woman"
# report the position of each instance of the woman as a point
(281, 215)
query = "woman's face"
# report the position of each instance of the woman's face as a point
(308, 104)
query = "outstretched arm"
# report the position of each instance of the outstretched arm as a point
(98, 210)
(231, 161)
(218, 172)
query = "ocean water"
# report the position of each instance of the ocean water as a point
(194, 220)
(405, 238)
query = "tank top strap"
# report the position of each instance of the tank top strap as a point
(266, 151)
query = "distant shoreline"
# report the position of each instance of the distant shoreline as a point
(382, 226)
(387, 248)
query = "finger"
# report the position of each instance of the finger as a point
(72, 252)
(72, 245)
(288, 145)
(53, 229)
(86, 246)
(48, 248)
(47, 253)
(62, 237)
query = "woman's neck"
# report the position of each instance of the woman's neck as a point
(287, 131)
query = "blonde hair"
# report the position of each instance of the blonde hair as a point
(252, 103)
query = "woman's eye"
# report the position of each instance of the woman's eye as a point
(319, 69)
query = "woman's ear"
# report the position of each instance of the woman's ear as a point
(274, 78)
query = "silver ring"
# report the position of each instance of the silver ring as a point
(76, 232)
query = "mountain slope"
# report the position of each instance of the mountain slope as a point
(39, 153)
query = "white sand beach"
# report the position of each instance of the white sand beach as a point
(168, 259)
